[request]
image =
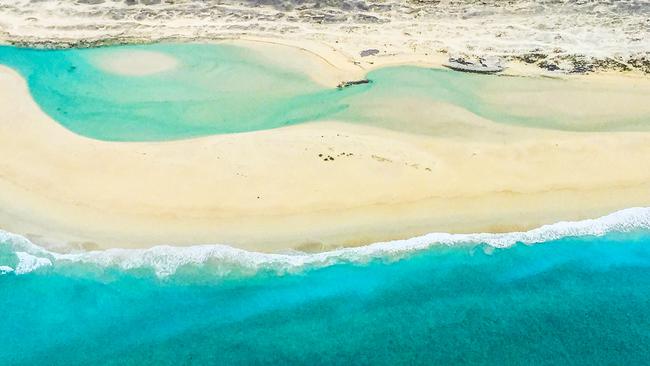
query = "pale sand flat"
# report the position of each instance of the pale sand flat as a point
(135, 62)
(270, 190)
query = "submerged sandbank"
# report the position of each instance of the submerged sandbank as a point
(137, 63)
(277, 189)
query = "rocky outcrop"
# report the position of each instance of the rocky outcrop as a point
(346, 84)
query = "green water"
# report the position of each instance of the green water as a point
(220, 89)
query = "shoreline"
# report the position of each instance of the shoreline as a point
(572, 37)
(342, 58)
(165, 260)
(54, 191)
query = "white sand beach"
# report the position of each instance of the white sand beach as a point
(272, 190)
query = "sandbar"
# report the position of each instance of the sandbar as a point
(136, 62)
(277, 189)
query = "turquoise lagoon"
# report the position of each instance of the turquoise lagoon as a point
(512, 299)
(218, 88)
(215, 89)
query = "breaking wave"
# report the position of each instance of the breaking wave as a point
(20, 256)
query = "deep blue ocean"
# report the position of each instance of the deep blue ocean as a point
(573, 300)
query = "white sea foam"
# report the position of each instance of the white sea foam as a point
(165, 260)
(28, 262)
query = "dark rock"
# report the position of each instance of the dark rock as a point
(549, 66)
(641, 63)
(369, 52)
(611, 64)
(346, 84)
(533, 57)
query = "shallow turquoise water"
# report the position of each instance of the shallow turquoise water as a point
(215, 89)
(572, 301)
(220, 89)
